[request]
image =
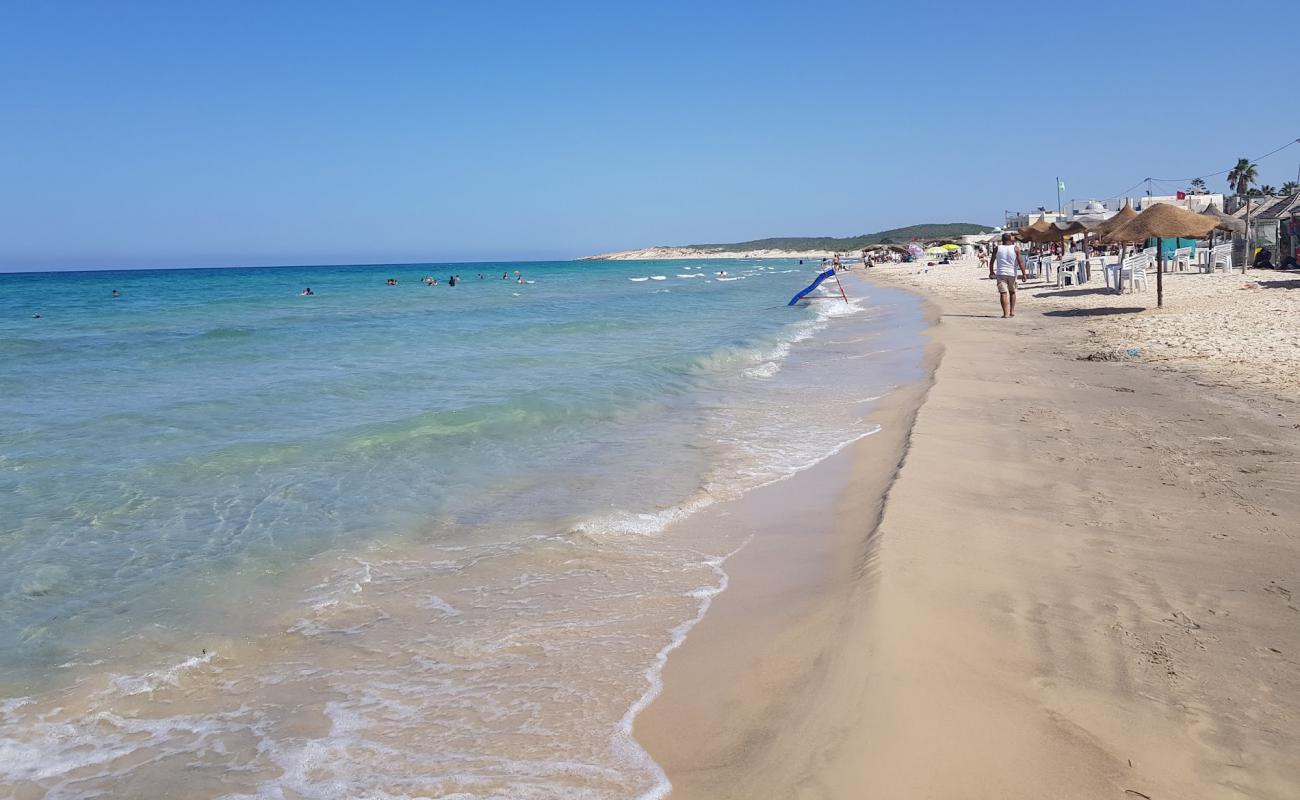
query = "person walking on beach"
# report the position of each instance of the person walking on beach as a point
(1002, 268)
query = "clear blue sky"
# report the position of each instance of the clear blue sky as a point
(222, 133)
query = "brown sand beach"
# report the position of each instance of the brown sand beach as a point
(1061, 570)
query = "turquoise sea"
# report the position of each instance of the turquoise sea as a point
(388, 541)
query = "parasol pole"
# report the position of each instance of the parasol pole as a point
(837, 283)
(1160, 272)
(1245, 264)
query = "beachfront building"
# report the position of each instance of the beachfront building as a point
(1015, 220)
(1274, 222)
(1191, 202)
(1089, 207)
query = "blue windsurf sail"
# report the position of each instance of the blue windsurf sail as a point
(830, 273)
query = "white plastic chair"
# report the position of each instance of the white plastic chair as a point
(1069, 269)
(1220, 256)
(1134, 270)
(1182, 258)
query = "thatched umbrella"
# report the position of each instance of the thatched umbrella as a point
(1162, 221)
(1224, 222)
(1034, 228)
(1125, 214)
(1118, 220)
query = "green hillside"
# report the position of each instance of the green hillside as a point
(945, 230)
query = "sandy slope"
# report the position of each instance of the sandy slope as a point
(1084, 584)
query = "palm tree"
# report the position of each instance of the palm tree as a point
(1267, 191)
(1242, 176)
(1290, 187)
(1198, 185)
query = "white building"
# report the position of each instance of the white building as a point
(1191, 202)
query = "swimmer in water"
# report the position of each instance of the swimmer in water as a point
(116, 293)
(307, 292)
(452, 280)
(722, 273)
(520, 279)
(503, 276)
(391, 281)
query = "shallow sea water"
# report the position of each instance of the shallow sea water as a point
(399, 541)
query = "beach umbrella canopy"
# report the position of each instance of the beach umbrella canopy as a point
(1054, 232)
(1119, 220)
(1034, 228)
(1223, 221)
(1163, 221)
(950, 247)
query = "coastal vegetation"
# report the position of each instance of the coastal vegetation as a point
(945, 230)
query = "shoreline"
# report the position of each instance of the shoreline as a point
(1079, 585)
(787, 596)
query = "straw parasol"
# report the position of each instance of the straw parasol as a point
(1034, 228)
(1125, 214)
(1223, 221)
(1163, 221)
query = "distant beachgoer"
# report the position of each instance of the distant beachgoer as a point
(1264, 259)
(520, 279)
(1288, 263)
(307, 292)
(452, 280)
(722, 273)
(36, 316)
(391, 281)
(1002, 268)
(116, 293)
(503, 276)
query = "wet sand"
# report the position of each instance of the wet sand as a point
(1079, 584)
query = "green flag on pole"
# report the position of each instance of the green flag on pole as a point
(1060, 184)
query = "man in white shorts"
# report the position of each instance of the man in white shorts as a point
(1002, 268)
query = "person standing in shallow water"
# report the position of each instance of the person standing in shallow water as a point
(1003, 264)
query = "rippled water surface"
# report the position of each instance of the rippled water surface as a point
(387, 541)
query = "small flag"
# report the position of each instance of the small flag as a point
(1060, 184)
(1182, 195)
